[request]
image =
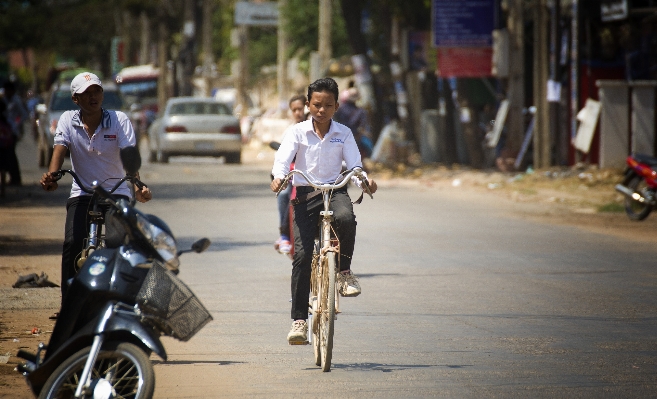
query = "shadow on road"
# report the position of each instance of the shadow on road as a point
(389, 368)
(19, 245)
(184, 362)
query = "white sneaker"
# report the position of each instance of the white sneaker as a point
(299, 332)
(348, 284)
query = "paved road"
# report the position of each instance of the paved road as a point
(460, 299)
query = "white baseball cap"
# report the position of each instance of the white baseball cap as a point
(82, 81)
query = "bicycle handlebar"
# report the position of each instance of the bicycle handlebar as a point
(329, 186)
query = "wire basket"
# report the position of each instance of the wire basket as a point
(169, 304)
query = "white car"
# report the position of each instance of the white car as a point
(196, 126)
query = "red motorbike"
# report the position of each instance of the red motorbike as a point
(639, 186)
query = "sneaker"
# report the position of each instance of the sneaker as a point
(348, 284)
(299, 332)
(284, 247)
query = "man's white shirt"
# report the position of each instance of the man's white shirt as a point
(320, 159)
(96, 158)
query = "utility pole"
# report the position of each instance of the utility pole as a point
(515, 90)
(208, 58)
(243, 73)
(324, 45)
(144, 38)
(281, 54)
(187, 48)
(542, 141)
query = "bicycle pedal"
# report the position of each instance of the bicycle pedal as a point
(299, 343)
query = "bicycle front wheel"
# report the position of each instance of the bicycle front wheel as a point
(327, 312)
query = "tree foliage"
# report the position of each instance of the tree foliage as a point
(301, 20)
(82, 30)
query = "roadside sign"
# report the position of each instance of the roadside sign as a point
(464, 23)
(465, 62)
(256, 14)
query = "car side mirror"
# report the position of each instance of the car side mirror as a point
(131, 160)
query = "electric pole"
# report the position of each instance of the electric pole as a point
(281, 54)
(324, 45)
(515, 90)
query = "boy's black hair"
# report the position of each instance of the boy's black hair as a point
(298, 97)
(324, 84)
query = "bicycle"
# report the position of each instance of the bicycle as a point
(96, 237)
(324, 299)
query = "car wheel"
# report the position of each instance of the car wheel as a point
(161, 156)
(235, 157)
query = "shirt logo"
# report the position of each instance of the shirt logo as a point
(336, 140)
(109, 137)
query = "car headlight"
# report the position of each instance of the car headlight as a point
(162, 242)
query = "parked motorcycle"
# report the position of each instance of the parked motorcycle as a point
(117, 307)
(639, 186)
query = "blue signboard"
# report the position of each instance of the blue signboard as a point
(463, 23)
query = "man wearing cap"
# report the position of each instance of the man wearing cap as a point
(94, 137)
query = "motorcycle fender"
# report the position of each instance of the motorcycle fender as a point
(119, 327)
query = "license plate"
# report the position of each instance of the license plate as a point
(204, 146)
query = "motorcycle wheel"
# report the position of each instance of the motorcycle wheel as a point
(636, 210)
(125, 366)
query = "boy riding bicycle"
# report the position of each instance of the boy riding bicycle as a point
(320, 145)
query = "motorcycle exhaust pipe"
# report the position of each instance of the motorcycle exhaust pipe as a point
(632, 194)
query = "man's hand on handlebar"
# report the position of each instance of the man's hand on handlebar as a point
(49, 181)
(144, 194)
(276, 185)
(372, 185)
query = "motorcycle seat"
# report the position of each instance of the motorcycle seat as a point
(647, 159)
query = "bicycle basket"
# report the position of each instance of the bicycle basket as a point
(167, 302)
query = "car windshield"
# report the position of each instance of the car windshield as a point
(62, 101)
(200, 108)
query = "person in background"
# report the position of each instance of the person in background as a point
(16, 114)
(32, 101)
(283, 245)
(7, 138)
(94, 136)
(355, 118)
(319, 145)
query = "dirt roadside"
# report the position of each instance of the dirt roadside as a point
(31, 231)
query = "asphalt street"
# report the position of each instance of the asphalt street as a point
(461, 298)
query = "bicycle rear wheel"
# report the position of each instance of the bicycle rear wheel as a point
(327, 311)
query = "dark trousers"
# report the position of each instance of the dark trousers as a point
(75, 232)
(11, 164)
(306, 228)
(284, 211)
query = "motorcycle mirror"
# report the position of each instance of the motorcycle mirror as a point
(274, 145)
(201, 245)
(131, 160)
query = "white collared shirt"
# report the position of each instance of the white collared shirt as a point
(320, 159)
(96, 158)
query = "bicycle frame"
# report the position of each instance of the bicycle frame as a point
(95, 238)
